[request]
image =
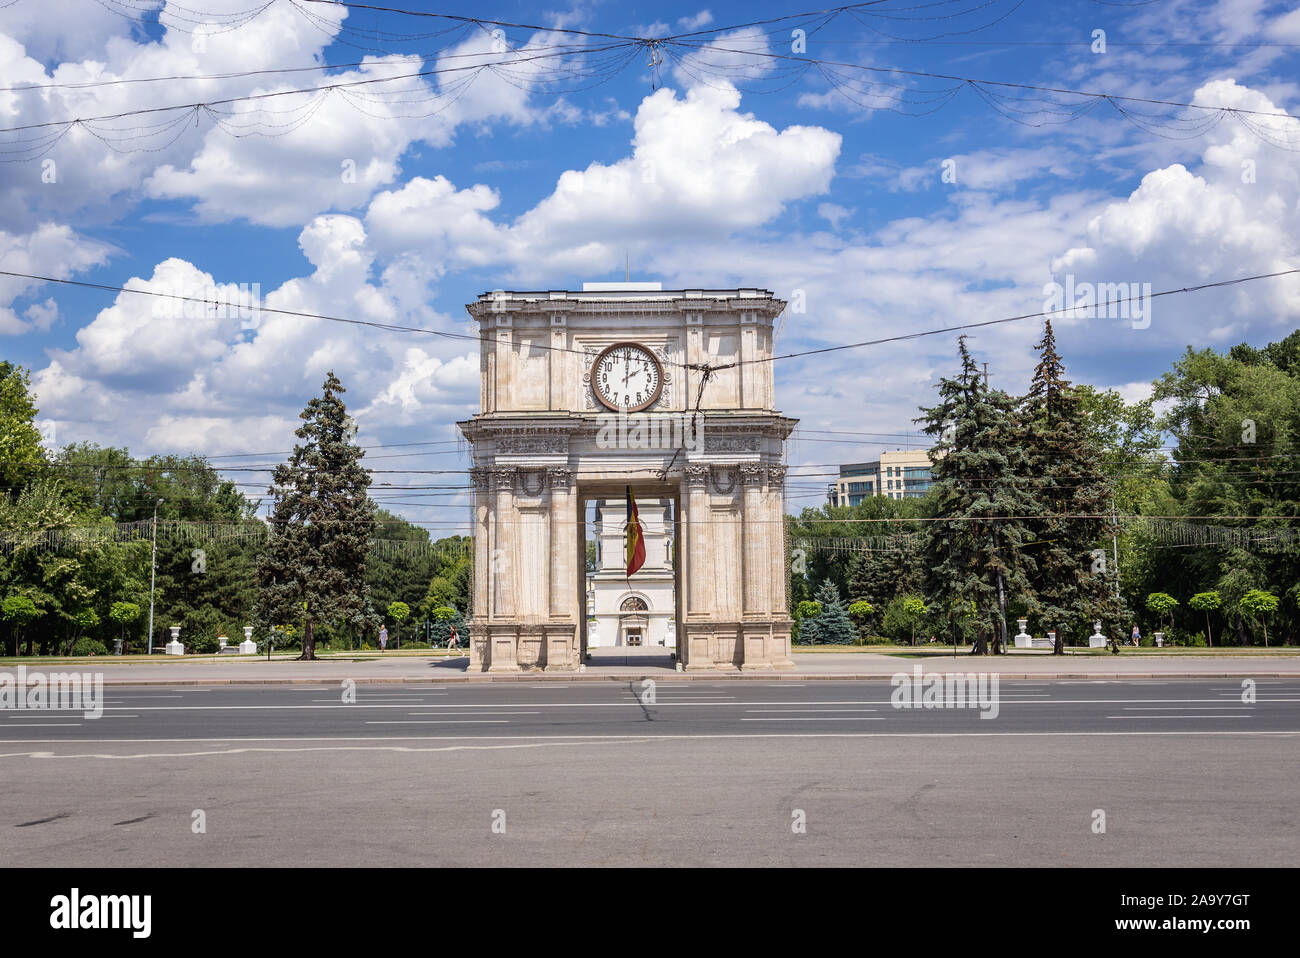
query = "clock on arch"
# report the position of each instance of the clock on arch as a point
(627, 377)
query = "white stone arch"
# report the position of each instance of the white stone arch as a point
(539, 451)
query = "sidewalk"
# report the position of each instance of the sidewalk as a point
(808, 666)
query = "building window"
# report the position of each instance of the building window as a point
(634, 603)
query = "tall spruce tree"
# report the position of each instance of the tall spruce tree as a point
(973, 548)
(314, 567)
(1071, 582)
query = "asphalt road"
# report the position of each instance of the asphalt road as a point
(1185, 771)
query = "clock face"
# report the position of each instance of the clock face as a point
(627, 377)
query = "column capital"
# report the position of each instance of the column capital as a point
(480, 477)
(753, 474)
(696, 474)
(776, 475)
(503, 477)
(560, 479)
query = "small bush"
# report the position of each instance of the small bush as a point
(88, 646)
(204, 645)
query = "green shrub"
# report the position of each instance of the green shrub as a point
(205, 645)
(88, 646)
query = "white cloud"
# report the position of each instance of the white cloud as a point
(214, 380)
(698, 167)
(1238, 215)
(49, 250)
(701, 19)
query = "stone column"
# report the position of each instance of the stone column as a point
(756, 570)
(779, 571)
(696, 555)
(482, 605)
(776, 522)
(501, 563)
(561, 633)
(756, 619)
(698, 566)
(502, 632)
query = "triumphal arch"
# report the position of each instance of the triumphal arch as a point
(584, 394)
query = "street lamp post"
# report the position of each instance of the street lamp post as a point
(153, 561)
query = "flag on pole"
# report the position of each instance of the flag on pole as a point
(633, 537)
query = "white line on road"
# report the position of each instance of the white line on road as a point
(1175, 716)
(793, 711)
(444, 722)
(525, 741)
(1186, 708)
(476, 713)
(863, 718)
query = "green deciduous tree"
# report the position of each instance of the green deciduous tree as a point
(20, 438)
(1206, 602)
(19, 611)
(1259, 606)
(861, 612)
(398, 611)
(1162, 605)
(123, 614)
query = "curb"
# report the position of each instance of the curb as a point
(677, 676)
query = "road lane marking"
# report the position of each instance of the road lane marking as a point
(794, 711)
(443, 722)
(1177, 716)
(1186, 708)
(462, 713)
(526, 741)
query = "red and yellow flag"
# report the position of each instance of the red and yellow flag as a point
(633, 537)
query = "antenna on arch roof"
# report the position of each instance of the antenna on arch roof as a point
(627, 268)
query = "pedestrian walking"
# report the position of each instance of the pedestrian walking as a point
(383, 638)
(1137, 636)
(454, 641)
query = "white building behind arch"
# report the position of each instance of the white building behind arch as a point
(639, 612)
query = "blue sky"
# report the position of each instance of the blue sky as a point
(728, 165)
